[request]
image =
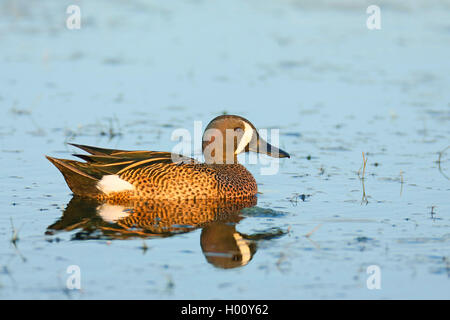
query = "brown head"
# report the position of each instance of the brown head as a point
(228, 135)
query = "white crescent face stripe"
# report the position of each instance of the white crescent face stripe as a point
(246, 138)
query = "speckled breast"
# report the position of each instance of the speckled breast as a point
(187, 181)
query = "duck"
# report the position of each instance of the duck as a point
(118, 175)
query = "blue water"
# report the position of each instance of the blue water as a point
(138, 70)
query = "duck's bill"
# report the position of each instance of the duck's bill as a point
(266, 148)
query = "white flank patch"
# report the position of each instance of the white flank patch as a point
(246, 138)
(111, 213)
(112, 183)
(243, 248)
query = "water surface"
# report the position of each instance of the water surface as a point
(137, 70)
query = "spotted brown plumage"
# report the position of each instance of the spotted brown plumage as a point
(127, 175)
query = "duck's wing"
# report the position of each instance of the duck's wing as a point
(112, 161)
(96, 150)
(115, 153)
(83, 177)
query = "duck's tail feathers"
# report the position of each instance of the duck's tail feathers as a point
(79, 181)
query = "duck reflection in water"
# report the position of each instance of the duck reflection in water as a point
(222, 245)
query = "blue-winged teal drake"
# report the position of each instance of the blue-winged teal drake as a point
(119, 174)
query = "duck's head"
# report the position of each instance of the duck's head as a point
(228, 135)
